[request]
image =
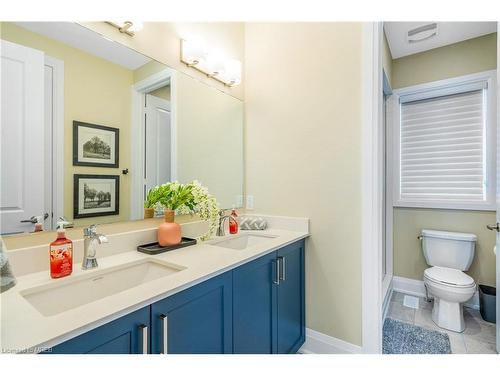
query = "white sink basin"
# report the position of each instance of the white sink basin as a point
(243, 241)
(65, 294)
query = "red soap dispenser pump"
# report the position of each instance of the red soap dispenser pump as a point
(61, 254)
(233, 222)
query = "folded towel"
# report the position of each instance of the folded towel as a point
(252, 223)
(7, 279)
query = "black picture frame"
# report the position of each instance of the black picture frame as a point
(114, 201)
(79, 160)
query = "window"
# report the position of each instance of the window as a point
(445, 144)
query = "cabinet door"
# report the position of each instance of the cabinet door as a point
(291, 301)
(254, 301)
(196, 320)
(126, 335)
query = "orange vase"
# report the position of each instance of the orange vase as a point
(169, 233)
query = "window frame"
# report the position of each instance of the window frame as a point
(489, 77)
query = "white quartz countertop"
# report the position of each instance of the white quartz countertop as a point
(24, 328)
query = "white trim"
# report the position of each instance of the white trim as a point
(319, 343)
(490, 78)
(388, 226)
(497, 243)
(372, 189)
(173, 121)
(417, 288)
(387, 302)
(154, 81)
(137, 149)
(151, 83)
(57, 137)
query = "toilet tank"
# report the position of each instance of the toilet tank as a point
(448, 249)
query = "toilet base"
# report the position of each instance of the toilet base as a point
(448, 315)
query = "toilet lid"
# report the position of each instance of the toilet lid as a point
(448, 276)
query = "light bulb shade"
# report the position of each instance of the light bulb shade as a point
(136, 26)
(214, 63)
(193, 52)
(232, 72)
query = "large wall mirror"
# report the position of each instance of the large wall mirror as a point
(89, 125)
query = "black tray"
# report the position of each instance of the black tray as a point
(155, 248)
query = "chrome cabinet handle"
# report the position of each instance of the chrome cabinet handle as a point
(282, 268)
(277, 271)
(495, 227)
(164, 321)
(144, 332)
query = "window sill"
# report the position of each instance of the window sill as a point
(447, 205)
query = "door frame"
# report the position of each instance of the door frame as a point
(388, 224)
(57, 138)
(372, 188)
(151, 83)
(498, 197)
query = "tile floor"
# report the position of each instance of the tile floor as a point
(478, 338)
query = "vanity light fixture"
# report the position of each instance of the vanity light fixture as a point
(213, 63)
(126, 27)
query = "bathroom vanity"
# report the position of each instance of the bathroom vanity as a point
(215, 297)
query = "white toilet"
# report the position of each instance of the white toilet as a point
(449, 253)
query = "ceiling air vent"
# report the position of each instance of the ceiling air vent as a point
(422, 33)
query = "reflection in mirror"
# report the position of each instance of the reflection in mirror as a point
(89, 125)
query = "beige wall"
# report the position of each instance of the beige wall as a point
(209, 139)
(95, 91)
(161, 41)
(470, 56)
(462, 58)
(303, 154)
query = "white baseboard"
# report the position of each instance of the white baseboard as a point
(319, 343)
(387, 301)
(417, 288)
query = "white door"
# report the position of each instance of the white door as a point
(22, 137)
(158, 136)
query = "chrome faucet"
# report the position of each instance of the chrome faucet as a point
(90, 240)
(222, 218)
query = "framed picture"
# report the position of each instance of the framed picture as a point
(95, 145)
(95, 195)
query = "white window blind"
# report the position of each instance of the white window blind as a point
(442, 149)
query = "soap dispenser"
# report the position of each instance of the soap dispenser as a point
(61, 254)
(233, 222)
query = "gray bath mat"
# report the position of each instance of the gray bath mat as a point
(404, 338)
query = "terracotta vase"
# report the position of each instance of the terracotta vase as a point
(149, 213)
(169, 233)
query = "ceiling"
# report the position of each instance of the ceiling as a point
(448, 33)
(79, 37)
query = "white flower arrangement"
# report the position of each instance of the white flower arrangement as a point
(190, 198)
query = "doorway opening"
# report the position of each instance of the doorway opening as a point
(153, 136)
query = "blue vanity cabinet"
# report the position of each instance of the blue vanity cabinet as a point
(197, 320)
(291, 298)
(269, 303)
(126, 335)
(256, 308)
(254, 311)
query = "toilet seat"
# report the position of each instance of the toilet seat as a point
(449, 277)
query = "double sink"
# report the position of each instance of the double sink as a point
(62, 295)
